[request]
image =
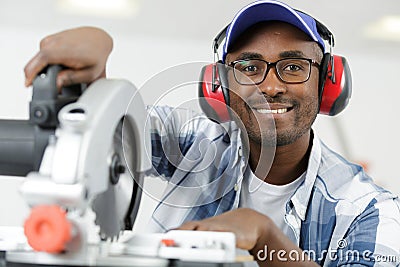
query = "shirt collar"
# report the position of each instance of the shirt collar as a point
(301, 197)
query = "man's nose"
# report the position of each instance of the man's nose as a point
(272, 84)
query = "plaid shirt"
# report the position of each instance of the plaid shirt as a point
(337, 215)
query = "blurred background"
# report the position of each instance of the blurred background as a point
(151, 36)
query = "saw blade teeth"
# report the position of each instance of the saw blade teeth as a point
(103, 237)
(113, 205)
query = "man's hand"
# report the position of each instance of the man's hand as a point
(84, 51)
(249, 226)
(254, 232)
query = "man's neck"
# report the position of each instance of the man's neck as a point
(289, 162)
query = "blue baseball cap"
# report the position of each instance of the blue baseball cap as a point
(267, 10)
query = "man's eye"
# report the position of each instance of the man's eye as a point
(293, 67)
(250, 68)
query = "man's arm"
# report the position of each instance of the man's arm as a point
(257, 233)
(84, 51)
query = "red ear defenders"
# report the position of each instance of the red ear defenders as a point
(335, 84)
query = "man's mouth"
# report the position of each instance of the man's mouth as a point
(273, 110)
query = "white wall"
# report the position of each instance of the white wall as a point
(369, 124)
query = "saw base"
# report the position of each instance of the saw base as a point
(27, 259)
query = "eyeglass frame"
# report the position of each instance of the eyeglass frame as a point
(269, 66)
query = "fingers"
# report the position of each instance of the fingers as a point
(69, 76)
(51, 52)
(38, 63)
(241, 242)
(65, 77)
(188, 226)
(34, 66)
(204, 225)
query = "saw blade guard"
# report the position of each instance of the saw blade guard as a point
(94, 117)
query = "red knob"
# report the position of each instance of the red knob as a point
(48, 229)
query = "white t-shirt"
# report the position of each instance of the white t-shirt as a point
(268, 199)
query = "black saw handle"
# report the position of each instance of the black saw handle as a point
(22, 142)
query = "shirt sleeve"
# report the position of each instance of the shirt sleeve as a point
(173, 131)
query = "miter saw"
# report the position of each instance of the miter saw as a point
(85, 151)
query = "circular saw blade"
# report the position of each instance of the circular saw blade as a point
(113, 207)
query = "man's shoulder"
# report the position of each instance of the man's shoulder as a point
(346, 182)
(182, 122)
(334, 164)
(336, 171)
(346, 204)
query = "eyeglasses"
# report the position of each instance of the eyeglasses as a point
(289, 70)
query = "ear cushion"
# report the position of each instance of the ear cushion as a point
(213, 92)
(334, 96)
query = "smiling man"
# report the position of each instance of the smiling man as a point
(281, 61)
(304, 199)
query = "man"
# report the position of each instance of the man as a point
(309, 199)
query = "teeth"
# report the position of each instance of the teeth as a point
(273, 111)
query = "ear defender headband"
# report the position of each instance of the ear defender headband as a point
(213, 86)
(335, 83)
(334, 88)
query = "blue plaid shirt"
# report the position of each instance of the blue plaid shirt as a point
(337, 215)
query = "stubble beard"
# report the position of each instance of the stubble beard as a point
(303, 120)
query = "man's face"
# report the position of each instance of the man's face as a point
(292, 107)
